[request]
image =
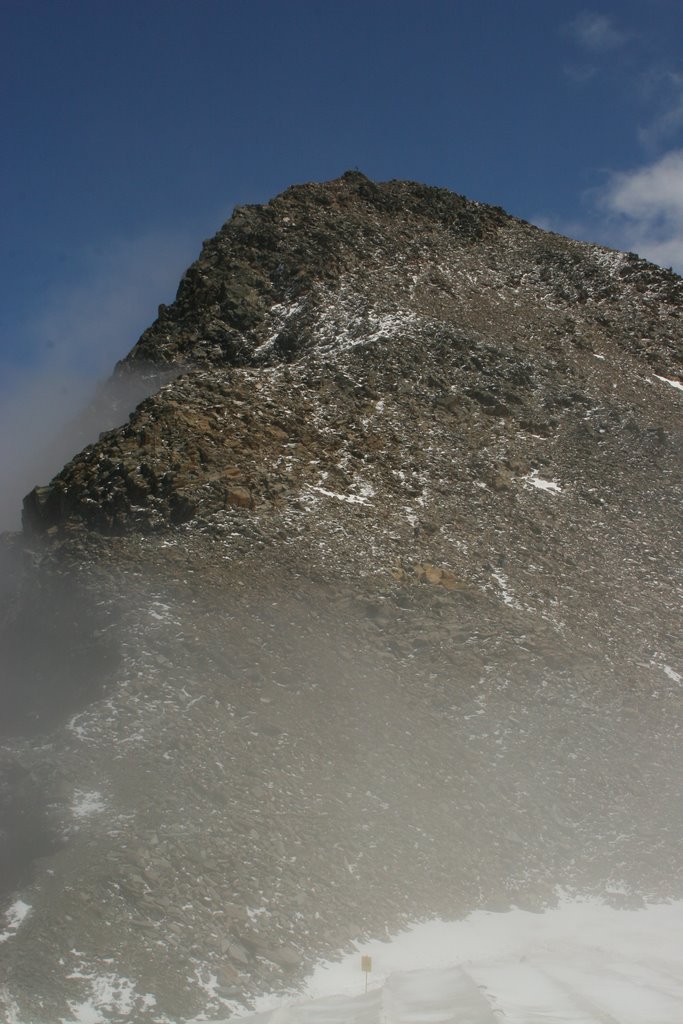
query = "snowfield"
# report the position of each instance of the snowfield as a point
(580, 963)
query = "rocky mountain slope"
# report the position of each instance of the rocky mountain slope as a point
(370, 612)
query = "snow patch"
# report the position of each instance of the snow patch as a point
(348, 321)
(352, 499)
(160, 612)
(611, 259)
(280, 313)
(657, 663)
(502, 581)
(534, 480)
(86, 803)
(14, 916)
(208, 982)
(78, 730)
(667, 380)
(108, 994)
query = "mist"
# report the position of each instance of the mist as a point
(67, 350)
(299, 745)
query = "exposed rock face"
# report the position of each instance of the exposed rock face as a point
(383, 592)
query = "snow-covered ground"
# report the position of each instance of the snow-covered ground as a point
(581, 962)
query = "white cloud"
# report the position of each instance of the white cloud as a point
(644, 208)
(652, 192)
(638, 211)
(596, 32)
(81, 332)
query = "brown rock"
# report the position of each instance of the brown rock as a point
(239, 497)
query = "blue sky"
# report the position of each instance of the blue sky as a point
(132, 128)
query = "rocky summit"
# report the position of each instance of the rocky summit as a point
(369, 613)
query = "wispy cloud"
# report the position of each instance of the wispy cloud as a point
(90, 324)
(82, 330)
(640, 209)
(580, 74)
(596, 33)
(664, 91)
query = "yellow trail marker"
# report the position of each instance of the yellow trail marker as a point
(366, 965)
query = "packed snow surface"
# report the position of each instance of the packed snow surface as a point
(580, 963)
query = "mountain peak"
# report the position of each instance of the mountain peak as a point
(311, 237)
(368, 614)
(396, 286)
(258, 292)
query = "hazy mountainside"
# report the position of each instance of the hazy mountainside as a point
(371, 612)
